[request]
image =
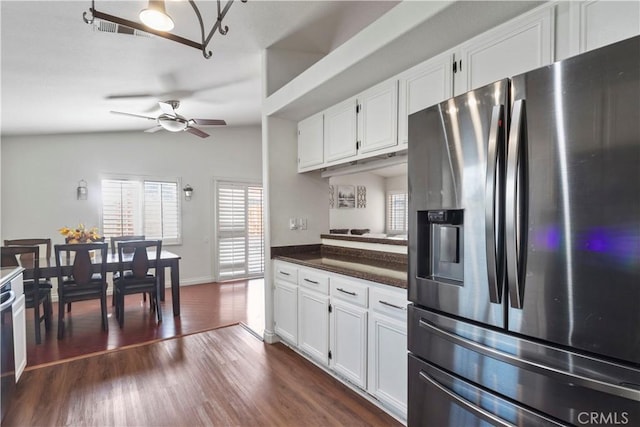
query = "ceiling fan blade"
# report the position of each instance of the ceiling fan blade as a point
(130, 95)
(154, 129)
(133, 115)
(209, 122)
(197, 132)
(167, 108)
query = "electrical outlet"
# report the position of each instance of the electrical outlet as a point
(302, 223)
(293, 223)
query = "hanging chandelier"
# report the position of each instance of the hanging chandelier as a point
(155, 20)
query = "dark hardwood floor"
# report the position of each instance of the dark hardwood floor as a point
(224, 377)
(203, 307)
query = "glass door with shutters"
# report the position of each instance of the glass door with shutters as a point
(239, 230)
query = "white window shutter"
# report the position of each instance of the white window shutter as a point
(240, 234)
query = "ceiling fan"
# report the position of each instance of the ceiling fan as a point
(173, 122)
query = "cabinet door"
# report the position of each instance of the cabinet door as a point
(388, 361)
(520, 45)
(286, 312)
(313, 324)
(378, 117)
(340, 131)
(310, 142)
(422, 86)
(19, 335)
(598, 23)
(348, 331)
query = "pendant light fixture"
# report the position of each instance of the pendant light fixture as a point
(155, 16)
(156, 21)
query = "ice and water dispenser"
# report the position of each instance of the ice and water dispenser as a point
(440, 245)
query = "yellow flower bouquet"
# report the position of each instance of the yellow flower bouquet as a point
(80, 234)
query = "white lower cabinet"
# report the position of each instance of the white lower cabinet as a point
(354, 327)
(286, 311)
(313, 324)
(349, 341)
(388, 348)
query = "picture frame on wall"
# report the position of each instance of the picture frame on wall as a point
(346, 196)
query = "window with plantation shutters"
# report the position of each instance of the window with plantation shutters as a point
(240, 232)
(397, 213)
(141, 207)
(161, 211)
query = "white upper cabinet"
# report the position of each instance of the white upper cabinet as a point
(598, 23)
(521, 45)
(420, 87)
(378, 117)
(311, 142)
(340, 131)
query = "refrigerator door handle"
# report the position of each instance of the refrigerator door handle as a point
(494, 246)
(476, 410)
(515, 212)
(530, 365)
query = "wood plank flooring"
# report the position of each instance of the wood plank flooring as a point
(203, 307)
(220, 377)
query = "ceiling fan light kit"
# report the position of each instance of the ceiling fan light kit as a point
(173, 122)
(156, 21)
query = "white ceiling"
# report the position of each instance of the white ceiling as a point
(57, 71)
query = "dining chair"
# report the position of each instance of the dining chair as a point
(80, 282)
(43, 244)
(114, 250)
(115, 240)
(138, 279)
(37, 291)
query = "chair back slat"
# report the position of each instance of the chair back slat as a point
(140, 264)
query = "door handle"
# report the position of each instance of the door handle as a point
(515, 207)
(9, 301)
(494, 247)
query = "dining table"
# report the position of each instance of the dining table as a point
(48, 268)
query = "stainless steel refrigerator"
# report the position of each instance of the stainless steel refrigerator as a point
(524, 248)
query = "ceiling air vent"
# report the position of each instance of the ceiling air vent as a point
(110, 27)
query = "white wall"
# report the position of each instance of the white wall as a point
(293, 195)
(371, 217)
(397, 183)
(40, 175)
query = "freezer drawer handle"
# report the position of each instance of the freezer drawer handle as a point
(482, 413)
(494, 246)
(592, 383)
(388, 304)
(347, 292)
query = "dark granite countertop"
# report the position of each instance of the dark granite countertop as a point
(385, 271)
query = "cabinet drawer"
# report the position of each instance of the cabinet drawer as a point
(286, 272)
(393, 304)
(355, 293)
(315, 280)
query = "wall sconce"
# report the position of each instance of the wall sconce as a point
(82, 192)
(188, 192)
